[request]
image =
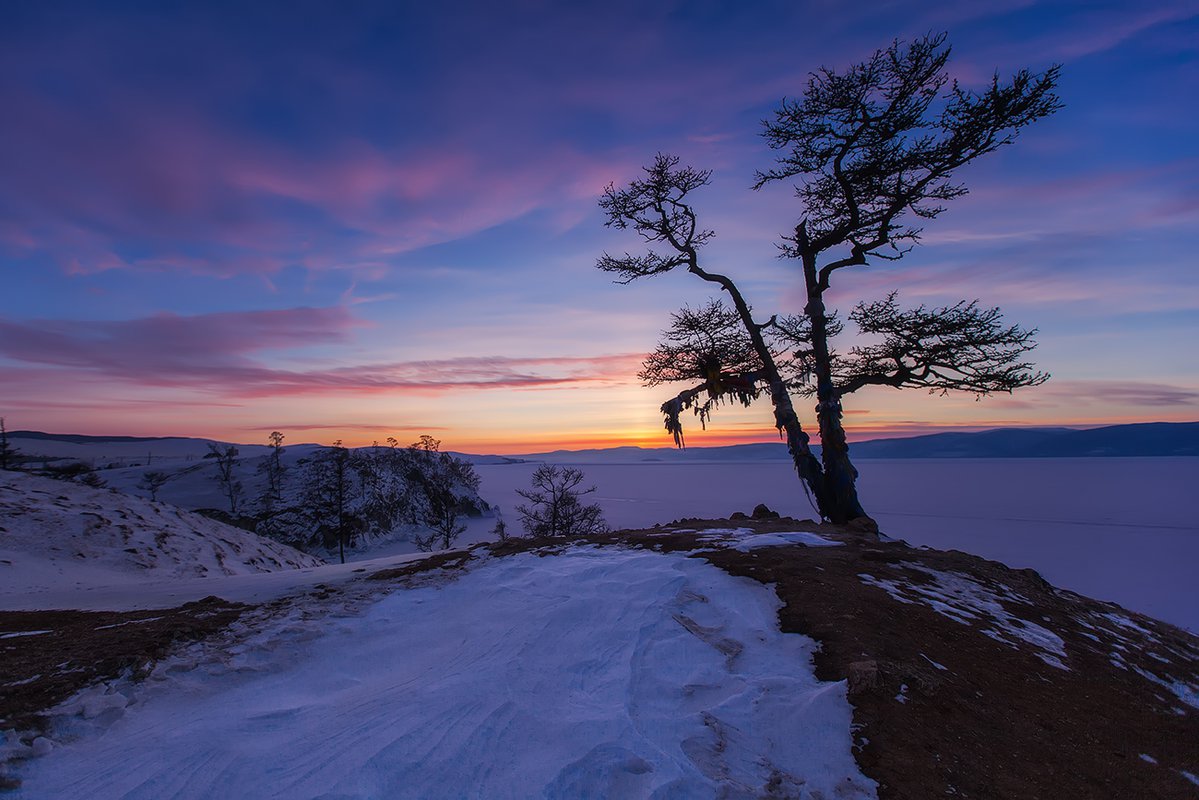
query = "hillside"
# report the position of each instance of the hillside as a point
(771, 659)
(55, 532)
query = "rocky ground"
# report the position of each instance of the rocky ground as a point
(967, 678)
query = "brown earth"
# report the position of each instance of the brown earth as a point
(945, 704)
(57, 653)
(979, 718)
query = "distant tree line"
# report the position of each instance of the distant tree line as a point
(338, 496)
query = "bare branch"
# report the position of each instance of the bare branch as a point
(882, 140)
(962, 347)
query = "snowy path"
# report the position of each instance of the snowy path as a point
(596, 673)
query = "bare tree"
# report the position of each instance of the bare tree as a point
(272, 467)
(152, 481)
(500, 531)
(8, 453)
(329, 492)
(555, 507)
(872, 148)
(437, 479)
(225, 459)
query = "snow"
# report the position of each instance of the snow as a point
(965, 600)
(600, 672)
(1116, 529)
(782, 538)
(130, 593)
(57, 536)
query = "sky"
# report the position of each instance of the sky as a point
(367, 220)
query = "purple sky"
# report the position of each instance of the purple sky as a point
(345, 221)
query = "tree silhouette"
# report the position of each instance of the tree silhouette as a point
(272, 467)
(329, 494)
(8, 453)
(226, 463)
(437, 479)
(875, 150)
(152, 481)
(554, 506)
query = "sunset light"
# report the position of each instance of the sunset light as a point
(218, 225)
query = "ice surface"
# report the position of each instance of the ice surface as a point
(595, 673)
(1117, 529)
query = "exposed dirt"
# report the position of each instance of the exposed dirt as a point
(1031, 692)
(54, 654)
(943, 706)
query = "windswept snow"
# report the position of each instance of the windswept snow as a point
(55, 535)
(965, 600)
(598, 672)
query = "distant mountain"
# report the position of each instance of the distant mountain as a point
(767, 451)
(1141, 439)
(75, 438)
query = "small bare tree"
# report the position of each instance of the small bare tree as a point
(555, 507)
(153, 481)
(872, 148)
(272, 467)
(225, 459)
(500, 530)
(8, 453)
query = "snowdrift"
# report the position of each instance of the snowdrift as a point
(55, 532)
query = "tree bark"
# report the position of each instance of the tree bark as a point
(840, 476)
(806, 465)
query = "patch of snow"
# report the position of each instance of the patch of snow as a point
(934, 663)
(1148, 758)
(1186, 692)
(965, 600)
(596, 673)
(902, 697)
(22, 633)
(1052, 661)
(805, 538)
(1190, 776)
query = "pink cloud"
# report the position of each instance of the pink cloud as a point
(205, 199)
(218, 354)
(169, 342)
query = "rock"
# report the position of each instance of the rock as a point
(737, 515)
(862, 677)
(863, 525)
(762, 512)
(42, 746)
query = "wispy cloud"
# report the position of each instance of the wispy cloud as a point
(220, 353)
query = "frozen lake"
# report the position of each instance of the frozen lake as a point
(1119, 529)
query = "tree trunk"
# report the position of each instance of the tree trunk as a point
(840, 477)
(785, 418)
(806, 464)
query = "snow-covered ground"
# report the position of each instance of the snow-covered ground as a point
(57, 536)
(597, 673)
(1117, 529)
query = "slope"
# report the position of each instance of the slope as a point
(55, 534)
